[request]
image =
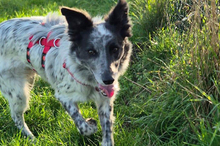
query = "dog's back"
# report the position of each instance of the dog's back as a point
(15, 33)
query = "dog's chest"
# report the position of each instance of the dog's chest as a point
(76, 91)
(64, 84)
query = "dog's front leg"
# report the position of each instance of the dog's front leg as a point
(105, 111)
(85, 127)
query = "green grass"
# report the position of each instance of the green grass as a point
(169, 95)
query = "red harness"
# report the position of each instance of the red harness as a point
(44, 42)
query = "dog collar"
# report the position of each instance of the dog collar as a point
(64, 66)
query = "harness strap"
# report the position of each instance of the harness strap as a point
(28, 49)
(30, 45)
(46, 44)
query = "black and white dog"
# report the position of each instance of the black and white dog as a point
(81, 57)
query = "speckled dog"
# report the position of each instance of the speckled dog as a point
(81, 57)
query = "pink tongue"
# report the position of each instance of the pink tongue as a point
(109, 90)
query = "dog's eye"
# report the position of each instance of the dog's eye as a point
(92, 52)
(115, 50)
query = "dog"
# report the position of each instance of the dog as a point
(81, 58)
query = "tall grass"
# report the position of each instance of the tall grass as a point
(179, 69)
(201, 52)
(198, 60)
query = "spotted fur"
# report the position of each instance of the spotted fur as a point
(95, 51)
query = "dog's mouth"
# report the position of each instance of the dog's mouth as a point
(107, 90)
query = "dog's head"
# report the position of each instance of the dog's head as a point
(102, 47)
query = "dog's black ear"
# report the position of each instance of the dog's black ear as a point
(77, 20)
(119, 18)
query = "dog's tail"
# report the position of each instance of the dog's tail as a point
(53, 19)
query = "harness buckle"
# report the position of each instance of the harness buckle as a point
(54, 43)
(40, 41)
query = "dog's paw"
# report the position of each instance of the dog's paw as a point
(91, 122)
(92, 126)
(89, 128)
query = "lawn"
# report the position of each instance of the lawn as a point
(169, 95)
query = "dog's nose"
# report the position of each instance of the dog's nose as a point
(108, 82)
(107, 78)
